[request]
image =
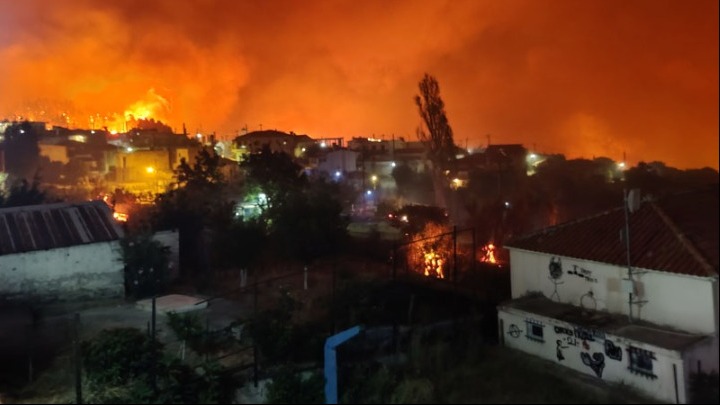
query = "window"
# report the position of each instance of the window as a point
(641, 362)
(534, 330)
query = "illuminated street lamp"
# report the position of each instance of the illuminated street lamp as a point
(374, 180)
(150, 170)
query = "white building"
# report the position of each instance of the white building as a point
(572, 300)
(337, 162)
(60, 251)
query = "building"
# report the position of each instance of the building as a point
(60, 252)
(574, 303)
(277, 141)
(337, 162)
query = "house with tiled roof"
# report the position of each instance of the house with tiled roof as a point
(60, 251)
(628, 295)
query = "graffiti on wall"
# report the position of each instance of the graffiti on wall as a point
(589, 334)
(566, 335)
(596, 363)
(582, 273)
(559, 352)
(514, 331)
(555, 269)
(641, 362)
(612, 351)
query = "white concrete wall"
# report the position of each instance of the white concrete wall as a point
(83, 271)
(684, 302)
(562, 344)
(338, 160)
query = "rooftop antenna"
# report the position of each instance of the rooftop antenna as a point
(631, 205)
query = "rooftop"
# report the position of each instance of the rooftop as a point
(49, 226)
(614, 324)
(678, 234)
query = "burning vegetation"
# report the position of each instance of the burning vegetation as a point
(431, 255)
(489, 254)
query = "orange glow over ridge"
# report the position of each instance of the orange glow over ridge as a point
(583, 78)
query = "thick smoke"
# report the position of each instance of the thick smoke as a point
(586, 78)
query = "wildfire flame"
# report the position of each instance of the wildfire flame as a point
(152, 105)
(434, 263)
(488, 254)
(119, 216)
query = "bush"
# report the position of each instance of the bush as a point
(119, 365)
(117, 356)
(291, 387)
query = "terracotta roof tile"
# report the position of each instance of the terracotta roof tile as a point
(676, 235)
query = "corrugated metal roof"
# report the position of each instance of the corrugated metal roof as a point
(50, 226)
(658, 241)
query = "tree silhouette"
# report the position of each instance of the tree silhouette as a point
(438, 139)
(197, 201)
(439, 135)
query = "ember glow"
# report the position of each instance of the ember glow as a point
(584, 78)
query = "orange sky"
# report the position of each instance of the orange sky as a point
(582, 78)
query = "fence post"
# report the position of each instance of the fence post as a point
(474, 251)
(78, 360)
(394, 260)
(455, 268)
(29, 331)
(153, 356)
(255, 316)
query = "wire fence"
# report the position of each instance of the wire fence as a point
(49, 346)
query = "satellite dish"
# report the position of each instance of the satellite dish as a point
(633, 200)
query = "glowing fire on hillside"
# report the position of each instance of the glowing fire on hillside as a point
(152, 106)
(489, 254)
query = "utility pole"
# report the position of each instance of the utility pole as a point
(627, 249)
(455, 268)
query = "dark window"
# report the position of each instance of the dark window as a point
(534, 331)
(641, 362)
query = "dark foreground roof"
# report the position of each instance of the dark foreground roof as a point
(678, 234)
(50, 226)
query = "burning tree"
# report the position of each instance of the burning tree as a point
(433, 253)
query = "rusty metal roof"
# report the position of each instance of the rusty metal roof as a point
(678, 234)
(49, 226)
